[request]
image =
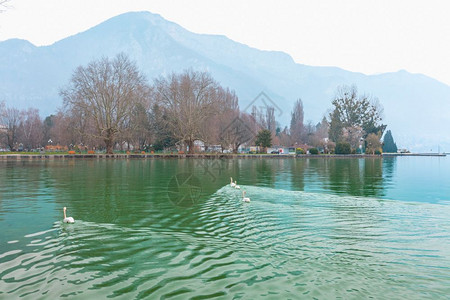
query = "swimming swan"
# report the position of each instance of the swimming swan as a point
(232, 184)
(236, 186)
(245, 199)
(67, 219)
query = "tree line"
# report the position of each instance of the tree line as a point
(109, 104)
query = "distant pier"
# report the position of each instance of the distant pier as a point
(415, 154)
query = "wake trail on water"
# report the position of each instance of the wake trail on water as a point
(221, 246)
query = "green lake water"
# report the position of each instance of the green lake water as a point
(175, 229)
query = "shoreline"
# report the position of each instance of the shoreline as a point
(203, 156)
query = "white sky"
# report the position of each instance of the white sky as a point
(357, 35)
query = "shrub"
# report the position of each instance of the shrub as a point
(343, 148)
(314, 151)
(377, 152)
(299, 151)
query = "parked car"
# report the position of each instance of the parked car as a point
(275, 152)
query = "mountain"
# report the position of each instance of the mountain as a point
(416, 107)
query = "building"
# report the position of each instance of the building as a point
(281, 150)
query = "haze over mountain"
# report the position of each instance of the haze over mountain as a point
(416, 107)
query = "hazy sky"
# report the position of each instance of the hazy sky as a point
(357, 35)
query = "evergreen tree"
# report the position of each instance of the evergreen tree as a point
(163, 137)
(389, 145)
(47, 126)
(343, 148)
(264, 139)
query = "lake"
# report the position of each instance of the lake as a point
(175, 229)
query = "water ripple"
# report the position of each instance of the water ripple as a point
(283, 245)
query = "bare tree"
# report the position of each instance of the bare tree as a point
(270, 119)
(188, 99)
(226, 109)
(2, 127)
(62, 132)
(238, 131)
(137, 131)
(228, 122)
(259, 116)
(106, 92)
(309, 132)
(264, 118)
(284, 137)
(297, 127)
(320, 137)
(31, 129)
(10, 118)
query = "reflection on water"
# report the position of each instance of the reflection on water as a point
(316, 228)
(362, 177)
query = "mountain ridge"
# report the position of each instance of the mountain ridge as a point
(32, 75)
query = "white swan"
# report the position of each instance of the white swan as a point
(245, 199)
(67, 219)
(236, 186)
(232, 184)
